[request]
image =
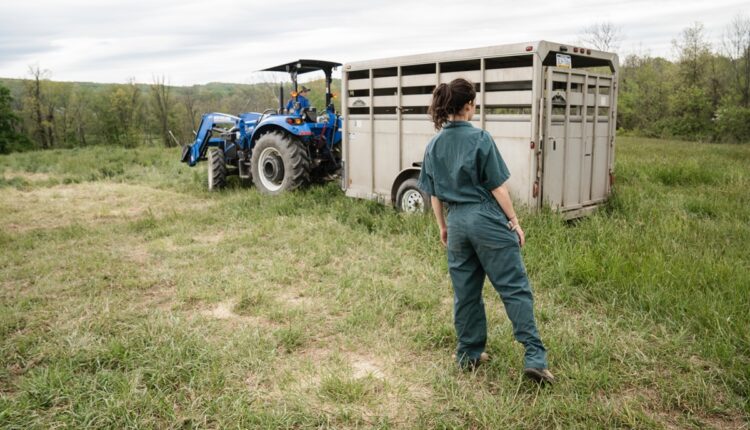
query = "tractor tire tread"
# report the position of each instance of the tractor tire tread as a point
(296, 160)
(217, 169)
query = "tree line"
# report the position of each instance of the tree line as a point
(38, 113)
(703, 95)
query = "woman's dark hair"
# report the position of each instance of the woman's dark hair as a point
(449, 99)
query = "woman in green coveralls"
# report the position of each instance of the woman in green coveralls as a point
(463, 169)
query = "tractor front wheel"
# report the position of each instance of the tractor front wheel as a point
(217, 169)
(279, 163)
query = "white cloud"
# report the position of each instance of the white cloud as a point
(192, 41)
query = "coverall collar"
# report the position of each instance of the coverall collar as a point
(451, 124)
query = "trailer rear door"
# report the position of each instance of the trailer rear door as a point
(578, 138)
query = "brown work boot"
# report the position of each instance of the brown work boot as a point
(542, 376)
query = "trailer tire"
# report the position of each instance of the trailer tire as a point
(279, 163)
(410, 199)
(217, 169)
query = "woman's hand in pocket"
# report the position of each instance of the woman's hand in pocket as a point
(521, 235)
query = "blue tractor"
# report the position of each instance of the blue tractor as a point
(280, 150)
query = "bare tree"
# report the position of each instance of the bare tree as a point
(160, 93)
(736, 46)
(604, 36)
(189, 100)
(42, 118)
(80, 107)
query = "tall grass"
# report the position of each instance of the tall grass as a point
(131, 297)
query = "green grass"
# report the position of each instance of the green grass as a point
(132, 298)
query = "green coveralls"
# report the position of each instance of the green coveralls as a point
(461, 167)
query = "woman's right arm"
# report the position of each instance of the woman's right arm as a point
(437, 209)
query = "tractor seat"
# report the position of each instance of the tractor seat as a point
(310, 115)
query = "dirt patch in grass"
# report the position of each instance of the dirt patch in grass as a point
(224, 311)
(87, 203)
(365, 365)
(297, 299)
(10, 175)
(138, 254)
(672, 419)
(209, 239)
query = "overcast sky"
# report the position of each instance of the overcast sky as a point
(195, 42)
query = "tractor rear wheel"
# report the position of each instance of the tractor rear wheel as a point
(279, 163)
(217, 169)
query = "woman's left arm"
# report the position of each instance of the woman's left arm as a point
(506, 204)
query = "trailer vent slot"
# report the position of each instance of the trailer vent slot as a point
(407, 91)
(509, 62)
(507, 110)
(460, 66)
(384, 91)
(419, 69)
(359, 74)
(384, 110)
(359, 93)
(508, 86)
(421, 110)
(385, 72)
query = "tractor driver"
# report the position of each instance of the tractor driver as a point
(301, 98)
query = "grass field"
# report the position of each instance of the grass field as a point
(132, 298)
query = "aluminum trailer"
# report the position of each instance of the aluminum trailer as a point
(550, 107)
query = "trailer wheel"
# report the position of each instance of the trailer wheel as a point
(217, 169)
(279, 163)
(411, 199)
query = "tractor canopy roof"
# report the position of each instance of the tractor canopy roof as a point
(303, 66)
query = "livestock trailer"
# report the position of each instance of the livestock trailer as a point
(550, 107)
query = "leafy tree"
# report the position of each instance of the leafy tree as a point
(645, 86)
(733, 123)
(118, 114)
(10, 138)
(691, 112)
(696, 97)
(736, 46)
(694, 53)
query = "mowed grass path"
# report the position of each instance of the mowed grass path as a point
(132, 298)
